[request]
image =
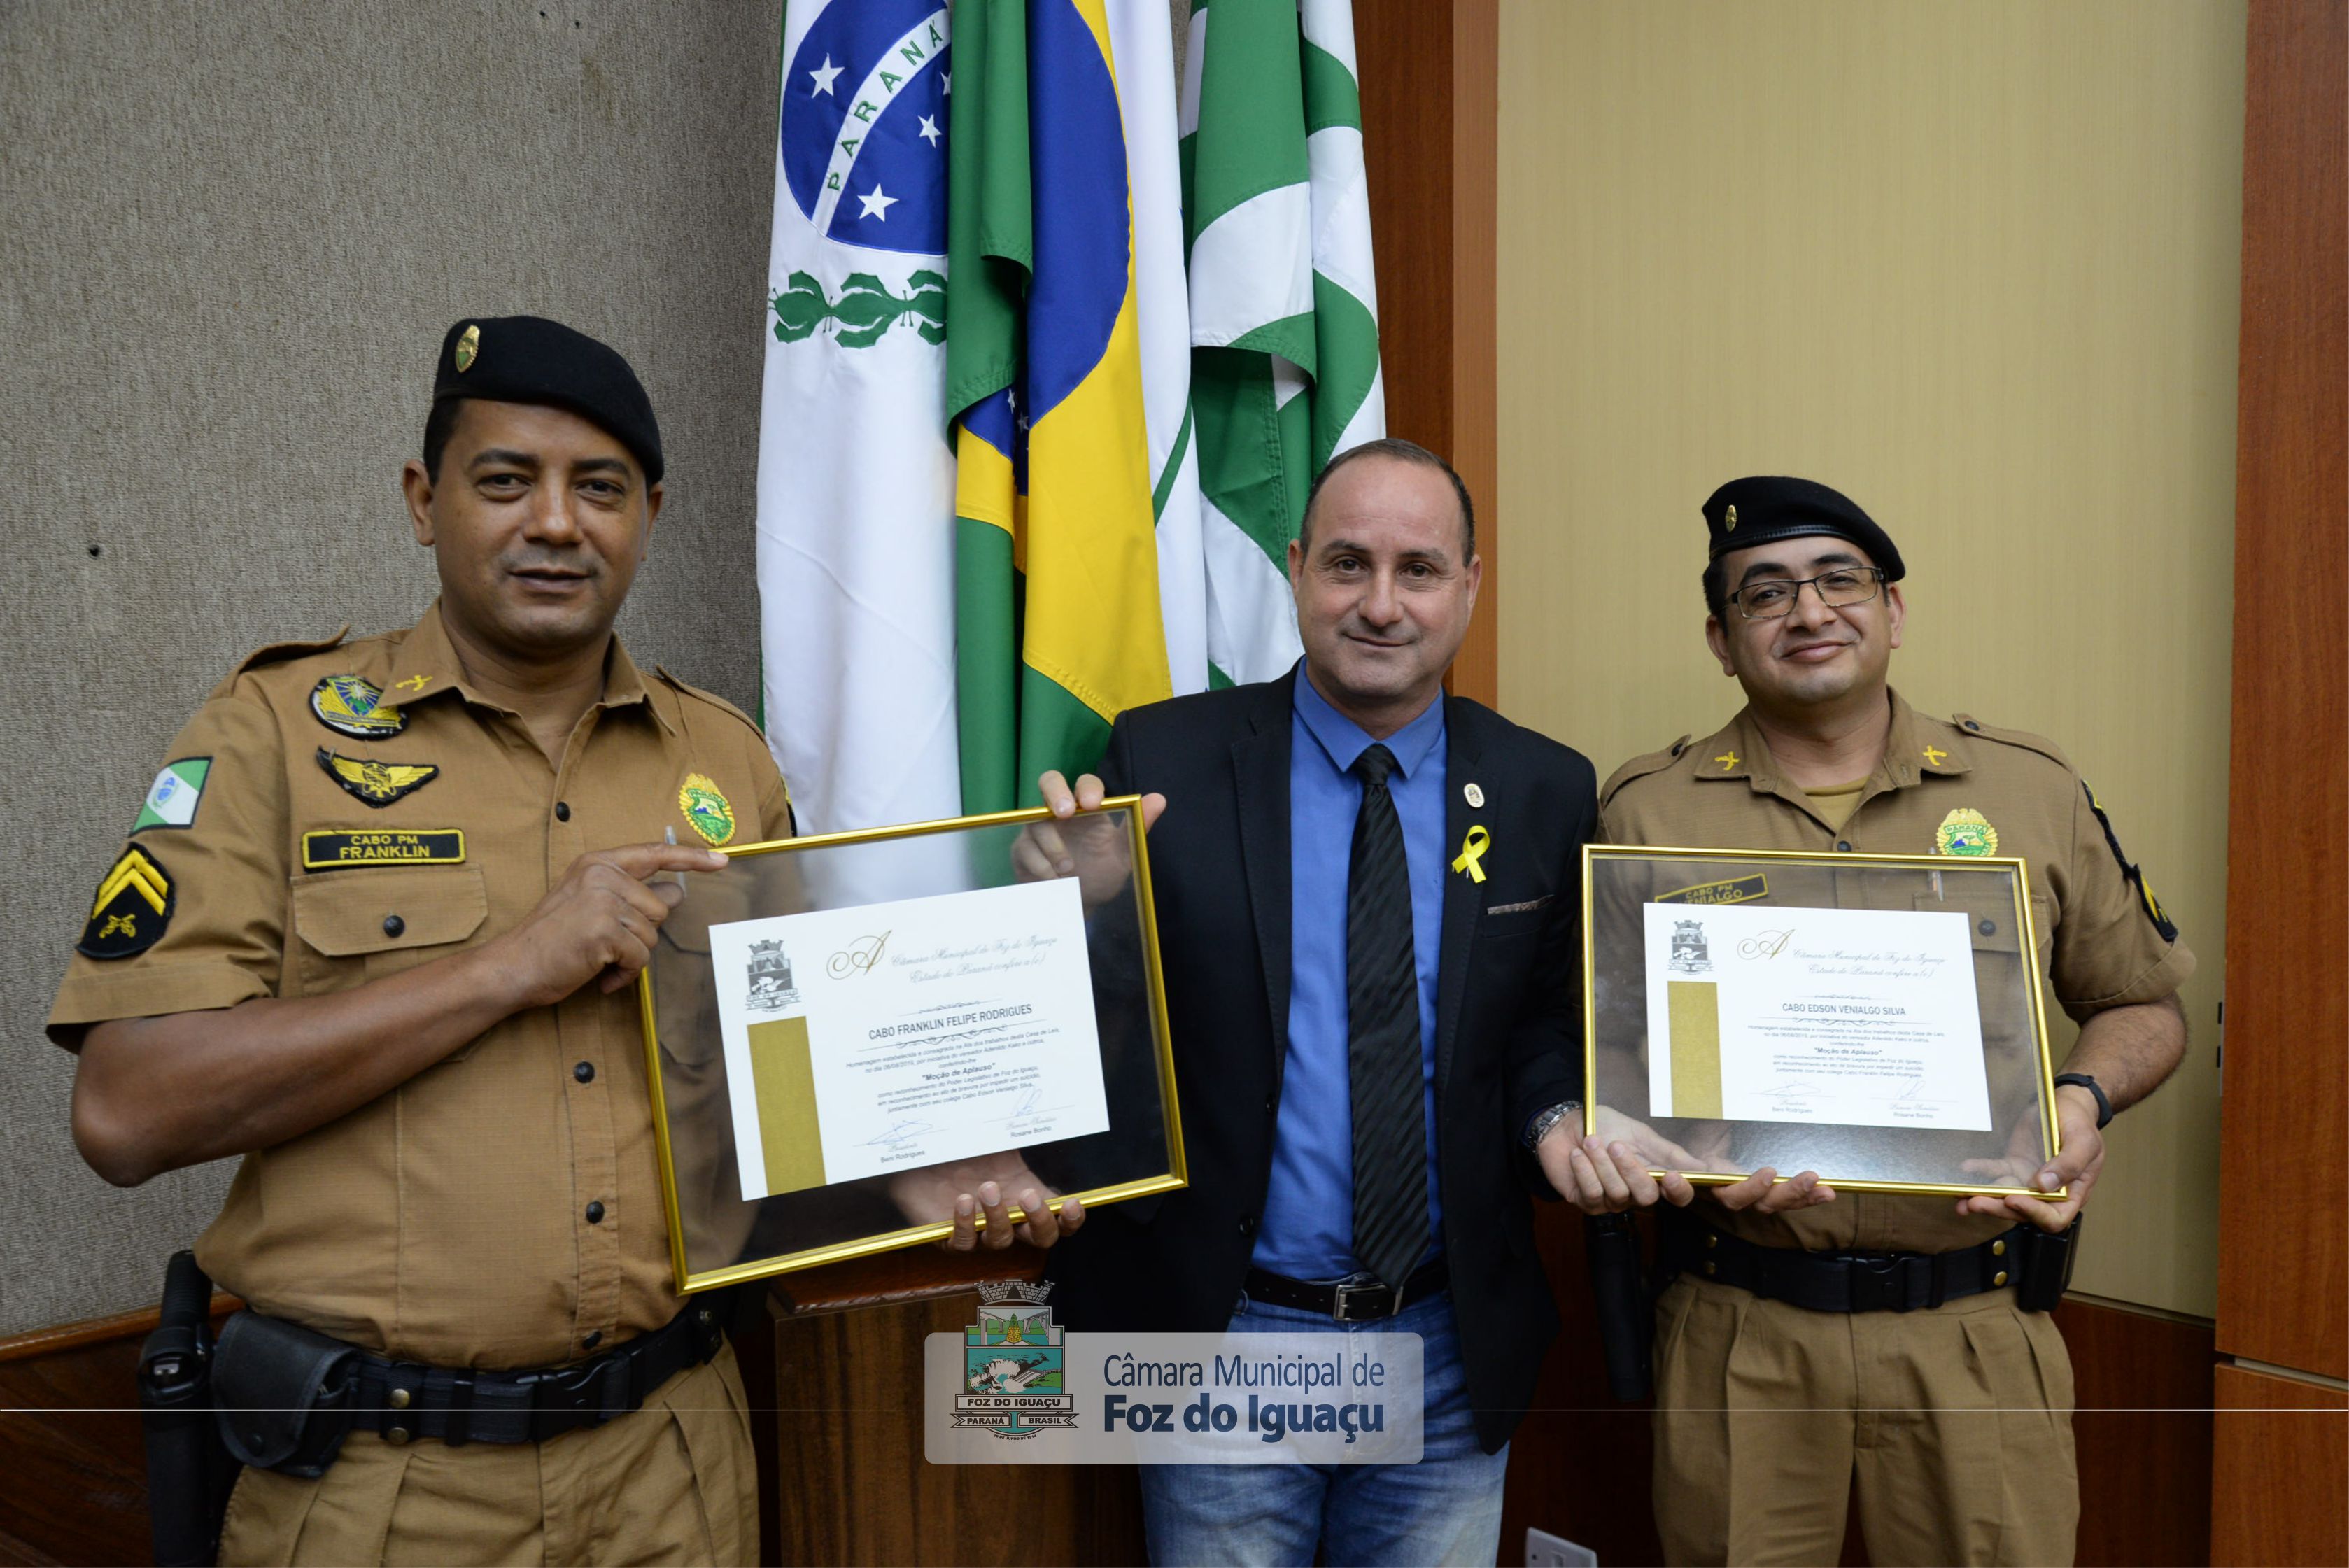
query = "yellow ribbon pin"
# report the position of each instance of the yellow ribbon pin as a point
(1472, 849)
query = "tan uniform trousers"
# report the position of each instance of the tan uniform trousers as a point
(673, 1482)
(1956, 1423)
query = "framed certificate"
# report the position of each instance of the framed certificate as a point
(1875, 1018)
(843, 1032)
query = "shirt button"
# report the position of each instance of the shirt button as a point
(1989, 928)
(1844, 844)
(595, 1213)
(393, 926)
(562, 811)
(1972, 725)
(594, 1337)
(584, 1072)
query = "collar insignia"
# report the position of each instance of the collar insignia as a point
(133, 905)
(349, 705)
(1933, 755)
(706, 810)
(1728, 759)
(377, 783)
(1965, 832)
(414, 683)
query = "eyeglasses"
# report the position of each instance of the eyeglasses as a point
(1768, 598)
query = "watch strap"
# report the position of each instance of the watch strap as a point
(2104, 1102)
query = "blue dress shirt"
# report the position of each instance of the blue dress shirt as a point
(1307, 1230)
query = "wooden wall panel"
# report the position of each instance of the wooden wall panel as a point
(2282, 1473)
(73, 1465)
(2287, 1068)
(1428, 71)
(2143, 1431)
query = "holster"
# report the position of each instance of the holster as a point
(283, 1393)
(1626, 1316)
(2044, 1268)
(188, 1470)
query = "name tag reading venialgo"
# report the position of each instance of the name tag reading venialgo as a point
(335, 850)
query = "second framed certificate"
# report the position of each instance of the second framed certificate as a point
(845, 1032)
(1875, 1018)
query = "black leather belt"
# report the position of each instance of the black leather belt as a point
(403, 1400)
(1356, 1298)
(1846, 1281)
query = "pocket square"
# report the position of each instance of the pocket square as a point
(1521, 908)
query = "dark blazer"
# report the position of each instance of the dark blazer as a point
(1509, 1021)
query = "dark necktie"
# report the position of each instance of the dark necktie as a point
(1382, 1054)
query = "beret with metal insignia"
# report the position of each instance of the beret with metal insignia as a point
(1761, 510)
(529, 359)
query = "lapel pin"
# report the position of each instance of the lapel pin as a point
(1474, 792)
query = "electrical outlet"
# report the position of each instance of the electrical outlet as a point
(1544, 1550)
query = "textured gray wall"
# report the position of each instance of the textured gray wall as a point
(231, 234)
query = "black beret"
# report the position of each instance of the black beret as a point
(1747, 512)
(529, 359)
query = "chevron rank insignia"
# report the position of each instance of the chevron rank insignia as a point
(133, 905)
(349, 705)
(377, 783)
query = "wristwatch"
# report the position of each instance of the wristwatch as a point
(2103, 1102)
(1538, 1127)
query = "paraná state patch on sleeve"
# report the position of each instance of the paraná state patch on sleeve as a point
(172, 799)
(2152, 905)
(134, 903)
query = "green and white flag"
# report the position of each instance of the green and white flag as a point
(1284, 301)
(856, 479)
(178, 789)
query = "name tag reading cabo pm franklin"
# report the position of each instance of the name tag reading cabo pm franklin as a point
(342, 849)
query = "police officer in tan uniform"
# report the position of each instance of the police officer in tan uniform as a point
(375, 931)
(1927, 1381)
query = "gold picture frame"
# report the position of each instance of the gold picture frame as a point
(789, 1232)
(1738, 876)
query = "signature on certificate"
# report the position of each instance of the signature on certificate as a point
(858, 958)
(899, 1135)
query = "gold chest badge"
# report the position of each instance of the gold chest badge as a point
(1965, 832)
(349, 705)
(706, 808)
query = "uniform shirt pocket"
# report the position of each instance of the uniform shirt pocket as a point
(354, 926)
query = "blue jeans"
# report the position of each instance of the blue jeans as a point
(1446, 1509)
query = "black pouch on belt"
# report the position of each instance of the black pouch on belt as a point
(283, 1394)
(2047, 1265)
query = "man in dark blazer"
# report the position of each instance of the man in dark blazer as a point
(1368, 896)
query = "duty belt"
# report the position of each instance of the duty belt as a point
(285, 1396)
(402, 1400)
(1358, 1299)
(1851, 1280)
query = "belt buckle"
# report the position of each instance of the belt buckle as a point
(567, 1397)
(1375, 1290)
(1877, 1281)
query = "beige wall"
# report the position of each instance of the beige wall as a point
(1976, 265)
(230, 236)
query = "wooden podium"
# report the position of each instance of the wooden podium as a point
(834, 1376)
